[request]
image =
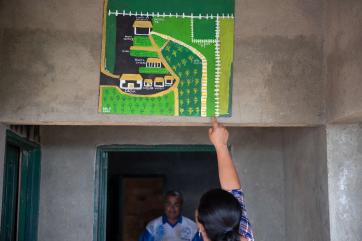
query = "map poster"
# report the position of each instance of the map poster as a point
(167, 57)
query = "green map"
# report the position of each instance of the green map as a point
(170, 58)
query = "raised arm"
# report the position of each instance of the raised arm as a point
(228, 175)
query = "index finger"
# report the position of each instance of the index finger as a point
(214, 122)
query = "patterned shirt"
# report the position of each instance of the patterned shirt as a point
(245, 226)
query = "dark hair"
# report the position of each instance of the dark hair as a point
(174, 193)
(220, 213)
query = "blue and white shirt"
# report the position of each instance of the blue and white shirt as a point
(160, 229)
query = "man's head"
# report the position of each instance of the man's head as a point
(173, 205)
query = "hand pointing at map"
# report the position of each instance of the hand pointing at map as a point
(218, 134)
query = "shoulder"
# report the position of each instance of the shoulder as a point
(189, 222)
(154, 223)
(239, 195)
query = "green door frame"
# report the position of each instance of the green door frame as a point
(100, 193)
(29, 190)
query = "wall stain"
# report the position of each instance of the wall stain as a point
(292, 70)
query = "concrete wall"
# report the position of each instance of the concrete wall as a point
(306, 184)
(344, 60)
(68, 169)
(2, 159)
(345, 181)
(258, 155)
(50, 55)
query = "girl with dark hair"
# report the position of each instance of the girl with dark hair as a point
(221, 215)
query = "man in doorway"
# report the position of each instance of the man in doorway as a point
(171, 226)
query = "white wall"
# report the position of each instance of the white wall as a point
(345, 181)
(343, 54)
(306, 184)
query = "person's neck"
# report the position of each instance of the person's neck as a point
(172, 221)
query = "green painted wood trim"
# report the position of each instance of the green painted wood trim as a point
(101, 173)
(23, 195)
(29, 188)
(10, 188)
(21, 142)
(32, 216)
(100, 196)
(157, 148)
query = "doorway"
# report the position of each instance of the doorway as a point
(19, 218)
(132, 202)
(131, 182)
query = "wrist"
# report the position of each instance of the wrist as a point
(222, 146)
